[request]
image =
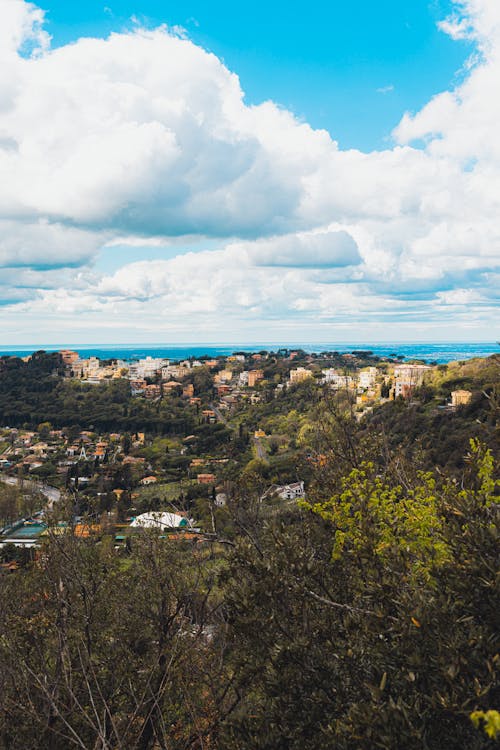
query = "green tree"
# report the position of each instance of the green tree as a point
(372, 620)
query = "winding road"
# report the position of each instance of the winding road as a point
(52, 494)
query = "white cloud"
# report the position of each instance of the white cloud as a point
(144, 139)
(42, 244)
(318, 248)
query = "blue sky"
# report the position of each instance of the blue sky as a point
(267, 171)
(350, 67)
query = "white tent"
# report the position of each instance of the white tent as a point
(157, 520)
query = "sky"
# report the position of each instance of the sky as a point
(208, 172)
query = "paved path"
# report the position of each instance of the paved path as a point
(52, 494)
(260, 450)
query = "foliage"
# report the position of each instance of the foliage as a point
(99, 651)
(488, 720)
(389, 643)
(373, 518)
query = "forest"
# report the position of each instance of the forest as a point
(363, 617)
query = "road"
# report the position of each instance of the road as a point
(260, 450)
(52, 494)
(218, 414)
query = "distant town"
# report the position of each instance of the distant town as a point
(206, 423)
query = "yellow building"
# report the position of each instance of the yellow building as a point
(299, 375)
(460, 398)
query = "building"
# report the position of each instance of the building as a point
(100, 450)
(152, 391)
(224, 376)
(367, 377)
(171, 385)
(176, 372)
(149, 367)
(137, 387)
(68, 356)
(407, 378)
(460, 398)
(293, 491)
(243, 378)
(206, 479)
(300, 374)
(148, 480)
(254, 377)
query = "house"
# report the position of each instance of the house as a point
(206, 478)
(134, 460)
(152, 391)
(170, 385)
(40, 449)
(32, 462)
(137, 387)
(148, 480)
(100, 450)
(293, 491)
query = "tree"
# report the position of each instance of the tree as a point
(372, 621)
(96, 653)
(9, 503)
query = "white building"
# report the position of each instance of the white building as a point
(336, 380)
(367, 377)
(293, 491)
(148, 367)
(408, 377)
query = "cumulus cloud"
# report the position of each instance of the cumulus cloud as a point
(315, 249)
(42, 244)
(144, 139)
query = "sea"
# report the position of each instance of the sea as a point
(428, 352)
